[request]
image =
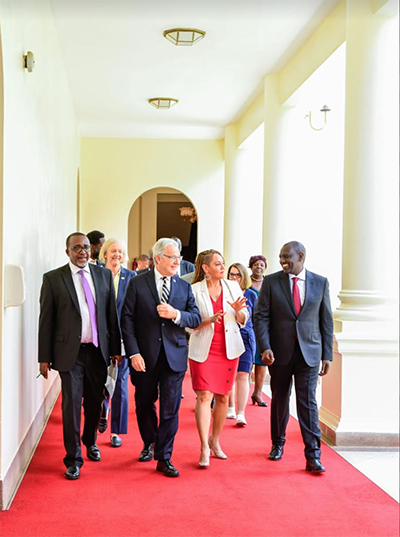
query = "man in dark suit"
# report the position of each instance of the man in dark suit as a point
(78, 331)
(185, 267)
(96, 239)
(294, 330)
(158, 306)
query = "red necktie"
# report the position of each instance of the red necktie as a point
(296, 296)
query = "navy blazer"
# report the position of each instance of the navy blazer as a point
(124, 279)
(144, 331)
(277, 325)
(186, 267)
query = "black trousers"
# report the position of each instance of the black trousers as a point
(305, 378)
(84, 382)
(153, 431)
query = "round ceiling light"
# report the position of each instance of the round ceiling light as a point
(163, 103)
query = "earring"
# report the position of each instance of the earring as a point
(208, 277)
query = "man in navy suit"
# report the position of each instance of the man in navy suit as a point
(185, 267)
(158, 306)
(294, 330)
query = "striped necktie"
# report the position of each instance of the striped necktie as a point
(165, 290)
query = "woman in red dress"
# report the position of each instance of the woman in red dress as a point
(214, 347)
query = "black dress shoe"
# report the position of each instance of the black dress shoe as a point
(146, 454)
(102, 426)
(167, 468)
(93, 453)
(115, 441)
(276, 453)
(72, 473)
(314, 465)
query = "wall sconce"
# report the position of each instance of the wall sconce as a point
(324, 109)
(29, 61)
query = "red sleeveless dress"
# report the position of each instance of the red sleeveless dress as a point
(217, 373)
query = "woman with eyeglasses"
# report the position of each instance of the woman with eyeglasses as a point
(258, 265)
(113, 254)
(214, 348)
(238, 273)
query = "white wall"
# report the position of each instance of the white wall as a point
(115, 172)
(41, 158)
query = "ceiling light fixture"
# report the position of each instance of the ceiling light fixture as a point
(184, 37)
(163, 103)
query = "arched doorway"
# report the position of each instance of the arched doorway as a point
(157, 213)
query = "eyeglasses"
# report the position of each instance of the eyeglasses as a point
(78, 248)
(235, 275)
(174, 257)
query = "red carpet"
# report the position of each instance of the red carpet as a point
(246, 495)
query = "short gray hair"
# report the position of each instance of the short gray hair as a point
(161, 244)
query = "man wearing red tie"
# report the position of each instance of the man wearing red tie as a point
(78, 332)
(294, 330)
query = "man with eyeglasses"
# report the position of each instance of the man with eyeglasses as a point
(158, 307)
(78, 332)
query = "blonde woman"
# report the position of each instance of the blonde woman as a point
(113, 254)
(238, 273)
(214, 347)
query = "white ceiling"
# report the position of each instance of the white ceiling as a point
(117, 58)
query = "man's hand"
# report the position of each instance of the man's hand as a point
(138, 363)
(116, 358)
(166, 311)
(324, 368)
(268, 357)
(44, 369)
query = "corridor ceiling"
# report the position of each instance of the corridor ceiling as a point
(116, 58)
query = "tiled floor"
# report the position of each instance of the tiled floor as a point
(378, 464)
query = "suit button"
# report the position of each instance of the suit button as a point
(163, 324)
(159, 339)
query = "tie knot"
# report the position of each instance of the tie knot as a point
(295, 280)
(81, 272)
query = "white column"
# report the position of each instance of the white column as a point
(272, 110)
(232, 213)
(360, 394)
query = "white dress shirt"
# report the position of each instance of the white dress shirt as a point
(301, 284)
(86, 335)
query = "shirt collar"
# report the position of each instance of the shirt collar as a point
(159, 276)
(75, 269)
(301, 275)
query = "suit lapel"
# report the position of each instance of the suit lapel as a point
(310, 289)
(173, 283)
(96, 283)
(151, 282)
(285, 284)
(206, 297)
(67, 277)
(122, 285)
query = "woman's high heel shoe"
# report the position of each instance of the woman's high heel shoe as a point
(258, 401)
(204, 461)
(217, 450)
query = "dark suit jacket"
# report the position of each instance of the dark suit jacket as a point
(186, 267)
(60, 322)
(276, 323)
(124, 279)
(144, 332)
